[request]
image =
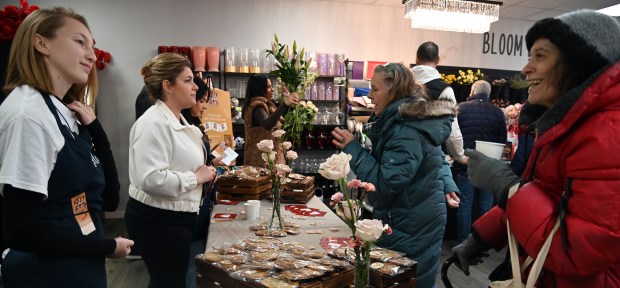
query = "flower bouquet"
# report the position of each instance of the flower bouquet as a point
(469, 78)
(348, 206)
(293, 77)
(278, 172)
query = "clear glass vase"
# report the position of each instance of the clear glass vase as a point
(362, 273)
(276, 221)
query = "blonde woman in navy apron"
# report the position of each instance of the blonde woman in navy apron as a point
(57, 172)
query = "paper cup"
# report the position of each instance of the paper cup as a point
(251, 210)
(257, 202)
(491, 149)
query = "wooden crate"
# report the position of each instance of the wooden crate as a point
(244, 197)
(380, 280)
(243, 189)
(229, 180)
(298, 184)
(297, 196)
(210, 276)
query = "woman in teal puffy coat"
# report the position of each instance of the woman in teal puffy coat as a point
(405, 165)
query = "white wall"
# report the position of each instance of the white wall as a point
(132, 30)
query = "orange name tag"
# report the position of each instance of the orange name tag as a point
(80, 210)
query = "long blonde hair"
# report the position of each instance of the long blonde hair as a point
(26, 64)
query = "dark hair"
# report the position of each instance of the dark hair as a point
(202, 92)
(257, 86)
(428, 52)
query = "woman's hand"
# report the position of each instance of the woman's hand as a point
(217, 161)
(453, 200)
(123, 247)
(291, 99)
(84, 113)
(342, 137)
(205, 174)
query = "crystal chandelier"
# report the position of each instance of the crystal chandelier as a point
(470, 16)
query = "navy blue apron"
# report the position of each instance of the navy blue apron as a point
(77, 170)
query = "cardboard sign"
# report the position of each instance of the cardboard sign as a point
(217, 119)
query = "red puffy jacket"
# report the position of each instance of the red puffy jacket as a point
(576, 157)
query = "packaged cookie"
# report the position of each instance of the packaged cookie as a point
(269, 239)
(228, 265)
(292, 231)
(264, 256)
(240, 245)
(383, 255)
(227, 249)
(289, 263)
(386, 268)
(250, 274)
(258, 227)
(301, 274)
(402, 261)
(313, 254)
(291, 225)
(278, 233)
(277, 282)
(320, 267)
(260, 265)
(334, 262)
(210, 256)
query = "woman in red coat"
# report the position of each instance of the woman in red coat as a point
(574, 70)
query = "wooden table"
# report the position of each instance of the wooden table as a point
(237, 229)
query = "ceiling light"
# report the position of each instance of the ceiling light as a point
(611, 10)
(470, 16)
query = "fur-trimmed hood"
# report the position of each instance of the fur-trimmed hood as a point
(433, 119)
(420, 109)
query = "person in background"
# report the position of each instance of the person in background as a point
(167, 172)
(405, 165)
(574, 71)
(261, 116)
(425, 71)
(479, 120)
(201, 227)
(57, 172)
(143, 102)
(526, 134)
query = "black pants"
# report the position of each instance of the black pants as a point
(164, 238)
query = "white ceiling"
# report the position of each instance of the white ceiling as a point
(531, 10)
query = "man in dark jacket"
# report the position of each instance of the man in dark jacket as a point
(479, 120)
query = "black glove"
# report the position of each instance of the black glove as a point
(490, 175)
(469, 252)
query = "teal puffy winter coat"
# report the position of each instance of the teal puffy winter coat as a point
(406, 166)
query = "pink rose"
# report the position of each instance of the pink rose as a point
(354, 183)
(370, 229)
(282, 170)
(292, 155)
(336, 198)
(369, 187)
(345, 208)
(287, 145)
(336, 166)
(265, 145)
(278, 133)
